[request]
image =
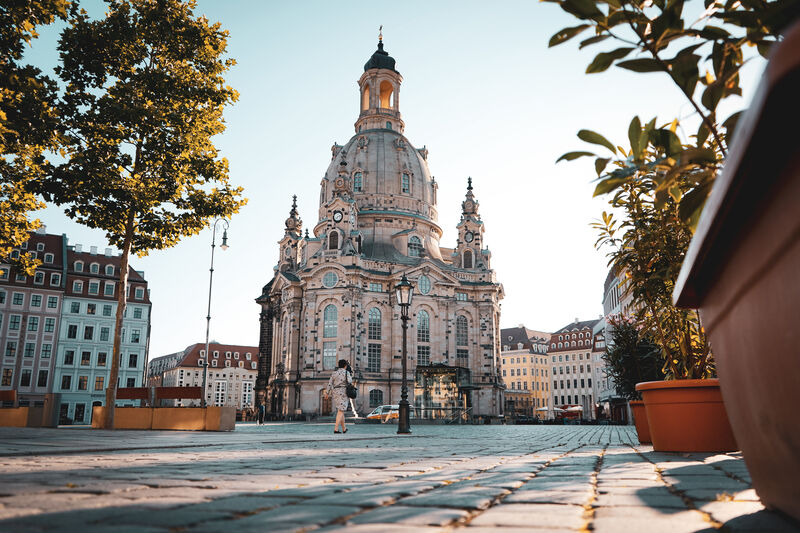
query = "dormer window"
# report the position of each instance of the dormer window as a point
(109, 270)
(94, 268)
(78, 266)
(414, 246)
(48, 258)
(40, 247)
(358, 182)
(405, 183)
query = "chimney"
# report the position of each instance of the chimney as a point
(42, 230)
(108, 252)
(93, 250)
(576, 320)
(78, 248)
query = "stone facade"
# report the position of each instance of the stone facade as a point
(332, 293)
(570, 354)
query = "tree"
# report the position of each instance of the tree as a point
(630, 358)
(144, 96)
(28, 123)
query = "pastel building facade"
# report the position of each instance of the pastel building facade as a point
(526, 370)
(572, 367)
(86, 336)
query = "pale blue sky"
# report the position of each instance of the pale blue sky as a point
(481, 90)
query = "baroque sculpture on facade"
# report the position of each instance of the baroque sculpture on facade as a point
(332, 295)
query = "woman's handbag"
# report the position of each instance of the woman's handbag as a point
(351, 391)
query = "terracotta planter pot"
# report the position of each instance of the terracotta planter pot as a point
(687, 415)
(640, 421)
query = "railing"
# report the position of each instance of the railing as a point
(460, 417)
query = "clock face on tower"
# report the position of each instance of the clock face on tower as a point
(468, 236)
(337, 216)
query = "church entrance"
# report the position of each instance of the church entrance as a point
(325, 403)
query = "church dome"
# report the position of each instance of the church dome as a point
(380, 59)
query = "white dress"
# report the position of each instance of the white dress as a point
(338, 386)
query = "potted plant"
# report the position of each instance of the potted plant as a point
(630, 359)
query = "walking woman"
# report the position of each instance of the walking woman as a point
(337, 386)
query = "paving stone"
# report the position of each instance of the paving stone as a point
(655, 497)
(531, 515)
(723, 483)
(559, 484)
(748, 495)
(460, 497)
(548, 496)
(400, 514)
(249, 503)
(639, 519)
(181, 517)
(725, 511)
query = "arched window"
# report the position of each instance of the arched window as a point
(375, 397)
(374, 327)
(461, 331)
(414, 246)
(467, 258)
(109, 270)
(424, 284)
(405, 183)
(358, 182)
(365, 98)
(330, 321)
(333, 241)
(78, 266)
(386, 94)
(94, 268)
(423, 326)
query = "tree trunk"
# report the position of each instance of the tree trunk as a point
(111, 389)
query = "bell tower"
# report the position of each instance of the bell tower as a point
(468, 253)
(291, 244)
(379, 93)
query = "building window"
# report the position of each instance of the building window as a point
(423, 326)
(91, 309)
(52, 302)
(55, 280)
(38, 278)
(137, 312)
(133, 360)
(69, 357)
(101, 358)
(18, 298)
(94, 287)
(48, 258)
(461, 296)
(414, 246)
(462, 331)
(88, 333)
(75, 307)
(66, 382)
(30, 349)
(406, 183)
(77, 286)
(104, 333)
(375, 397)
(107, 310)
(329, 355)
(330, 279)
(220, 388)
(330, 321)
(131, 382)
(333, 240)
(375, 287)
(462, 357)
(78, 266)
(424, 284)
(135, 335)
(99, 382)
(373, 357)
(467, 259)
(8, 375)
(2, 297)
(108, 289)
(374, 327)
(14, 323)
(41, 381)
(94, 268)
(86, 358)
(358, 182)
(423, 355)
(33, 323)
(139, 293)
(83, 383)
(109, 270)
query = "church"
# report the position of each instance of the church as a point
(332, 295)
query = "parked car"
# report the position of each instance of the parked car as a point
(384, 412)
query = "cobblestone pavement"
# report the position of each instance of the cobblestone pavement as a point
(302, 477)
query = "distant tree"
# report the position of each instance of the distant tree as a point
(144, 96)
(631, 357)
(27, 122)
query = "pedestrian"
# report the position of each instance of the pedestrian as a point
(261, 410)
(337, 386)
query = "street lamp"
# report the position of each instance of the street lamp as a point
(224, 247)
(404, 291)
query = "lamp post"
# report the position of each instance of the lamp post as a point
(224, 247)
(404, 291)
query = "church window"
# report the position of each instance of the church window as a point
(423, 355)
(424, 284)
(467, 259)
(386, 94)
(333, 241)
(375, 287)
(330, 321)
(461, 331)
(374, 329)
(414, 246)
(375, 397)
(388, 125)
(423, 327)
(405, 183)
(373, 357)
(358, 182)
(365, 98)
(329, 279)
(328, 355)
(461, 296)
